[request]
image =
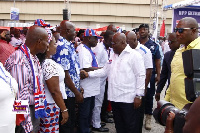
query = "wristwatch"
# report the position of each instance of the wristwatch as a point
(64, 110)
(140, 97)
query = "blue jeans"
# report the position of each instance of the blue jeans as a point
(149, 96)
(85, 114)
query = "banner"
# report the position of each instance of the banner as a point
(14, 13)
(180, 13)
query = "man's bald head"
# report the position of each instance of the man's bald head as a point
(172, 41)
(189, 22)
(112, 28)
(37, 39)
(119, 42)
(131, 39)
(34, 34)
(67, 30)
(189, 32)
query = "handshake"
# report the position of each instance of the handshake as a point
(83, 74)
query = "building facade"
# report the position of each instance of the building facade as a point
(127, 14)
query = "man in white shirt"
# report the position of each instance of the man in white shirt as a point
(91, 86)
(102, 52)
(126, 75)
(131, 39)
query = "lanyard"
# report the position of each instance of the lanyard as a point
(24, 49)
(94, 62)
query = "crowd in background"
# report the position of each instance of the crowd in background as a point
(75, 81)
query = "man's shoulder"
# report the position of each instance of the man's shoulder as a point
(16, 58)
(151, 42)
(143, 48)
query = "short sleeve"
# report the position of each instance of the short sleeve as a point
(49, 70)
(148, 59)
(85, 58)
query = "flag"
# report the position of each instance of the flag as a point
(162, 29)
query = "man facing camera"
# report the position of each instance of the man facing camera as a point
(126, 74)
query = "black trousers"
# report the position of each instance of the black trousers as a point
(125, 117)
(69, 126)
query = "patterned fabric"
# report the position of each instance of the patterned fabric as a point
(68, 58)
(52, 69)
(50, 124)
(49, 70)
(16, 42)
(40, 99)
(19, 67)
(40, 22)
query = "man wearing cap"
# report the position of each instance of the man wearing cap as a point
(154, 48)
(102, 52)
(126, 83)
(68, 58)
(91, 86)
(131, 39)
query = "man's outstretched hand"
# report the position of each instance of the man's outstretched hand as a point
(83, 74)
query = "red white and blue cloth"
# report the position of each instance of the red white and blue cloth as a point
(91, 32)
(41, 22)
(50, 124)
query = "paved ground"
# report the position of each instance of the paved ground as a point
(156, 128)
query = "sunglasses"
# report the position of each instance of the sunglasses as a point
(171, 41)
(180, 30)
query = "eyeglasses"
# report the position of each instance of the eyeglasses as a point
(180, 30)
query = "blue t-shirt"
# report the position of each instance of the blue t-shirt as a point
(68, 58)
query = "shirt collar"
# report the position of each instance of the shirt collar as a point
(127, 49)
(193, 43)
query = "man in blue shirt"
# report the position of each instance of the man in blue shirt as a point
(155, 77)
(68, 58)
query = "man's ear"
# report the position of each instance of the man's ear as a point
(39, 41)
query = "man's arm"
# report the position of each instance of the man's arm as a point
(71, 86)
(157, 62)
(91, 68)
(163, 79)
(148, 77)
(140, 79)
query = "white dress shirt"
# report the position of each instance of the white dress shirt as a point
(126, 75)
(101, 54)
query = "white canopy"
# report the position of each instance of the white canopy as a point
(185, 3)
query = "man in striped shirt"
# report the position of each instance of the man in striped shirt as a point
(24, 66)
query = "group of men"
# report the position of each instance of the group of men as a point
(128, 64)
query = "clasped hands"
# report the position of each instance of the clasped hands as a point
(83, 74)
